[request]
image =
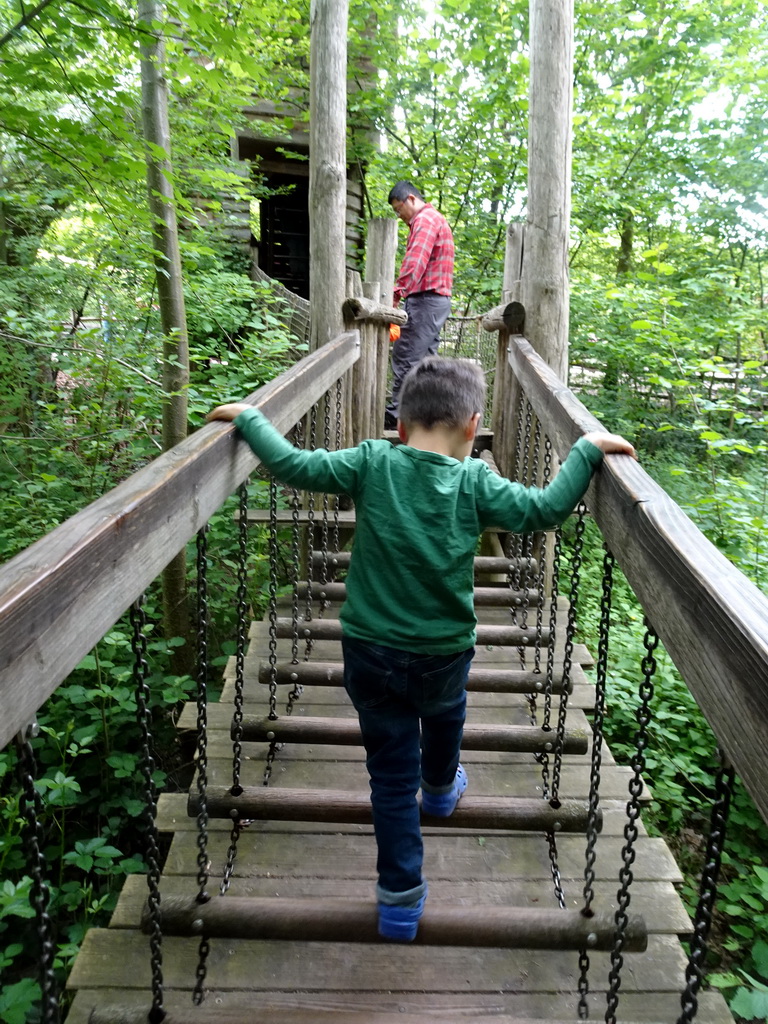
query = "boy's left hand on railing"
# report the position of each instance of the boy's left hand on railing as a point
(227, 412)
(611, 444)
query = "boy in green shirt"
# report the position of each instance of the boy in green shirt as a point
(408, 620)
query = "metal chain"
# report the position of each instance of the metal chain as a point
(237, 717)
(540, 578)
(643, 715)
(152, 845)
(273, 747)
(570, 629)
(202, 751)
(324, 531)
(31, 809)
(555, 869)
(297, 689)
(336, 540)
(694, 972)
(594, 779)
(550, 673)
(310, 536)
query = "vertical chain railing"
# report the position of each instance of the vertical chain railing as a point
(601, 679)
(202, 752)
(241, 640)
(272, 715)
(151, 842)
(628, 853)
(31, 810)
(702, 923)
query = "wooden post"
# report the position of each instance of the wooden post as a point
(373, 320)
(513, 262)
(544, 285)
(380, 252)
(327, 168)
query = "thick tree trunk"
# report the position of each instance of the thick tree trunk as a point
(327, 168)
(165, 239)
(544, 286)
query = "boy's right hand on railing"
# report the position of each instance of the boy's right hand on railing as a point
(611, 444)
(227, 412)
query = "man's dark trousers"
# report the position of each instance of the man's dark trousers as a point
(427, 312)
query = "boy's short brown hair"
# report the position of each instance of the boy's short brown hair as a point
(439, 390)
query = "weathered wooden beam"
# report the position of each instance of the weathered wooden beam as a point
(484, 564)
(523, 814)
(481, 680)
(495, 597)
(366, 309)
(526, 739)
(286, 517)
(509, 316)
(497, 636)
(206, 1014)
(61, 595)
(336, 920)
(712, 620)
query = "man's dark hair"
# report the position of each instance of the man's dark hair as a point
(439, 390)
(402, 190)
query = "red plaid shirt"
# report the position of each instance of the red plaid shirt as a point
(428, 261)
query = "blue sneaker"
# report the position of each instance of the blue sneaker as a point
(442, 805)
(400, 923)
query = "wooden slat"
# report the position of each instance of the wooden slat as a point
(324, 920)
(389, 1008)
(502, 597)
(330, 629)
(509, 738)
(112, 958)
(657, 902)
(211, 1015)
(61, 595)
(286, 517)
(481, 680)
(340, 806)
(353, 856)
(709, 616)
(484, 564)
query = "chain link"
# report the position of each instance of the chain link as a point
(31, 809)
(308, 614)
(152, 846)
(273, 746)
(202, 750)
(550, 673)
(336, 540)
(643, 715)
(237, 718)
(594, 780)
(570, 630)
(694, 972)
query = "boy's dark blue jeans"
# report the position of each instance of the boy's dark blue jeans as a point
(411, 709)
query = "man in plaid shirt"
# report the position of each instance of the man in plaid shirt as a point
(424, 283)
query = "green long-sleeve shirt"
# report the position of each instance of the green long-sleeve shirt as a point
(419, 515)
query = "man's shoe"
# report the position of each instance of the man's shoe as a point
(399, 923)
(442, 805)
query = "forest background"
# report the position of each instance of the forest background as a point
(668, 334)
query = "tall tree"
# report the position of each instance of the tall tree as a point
(170, 288)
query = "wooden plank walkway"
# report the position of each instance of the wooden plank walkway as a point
(263, 981)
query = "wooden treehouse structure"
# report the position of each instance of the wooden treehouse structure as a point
(548, 900)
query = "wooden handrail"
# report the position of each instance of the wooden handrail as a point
(62, 594)
(712, 620)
